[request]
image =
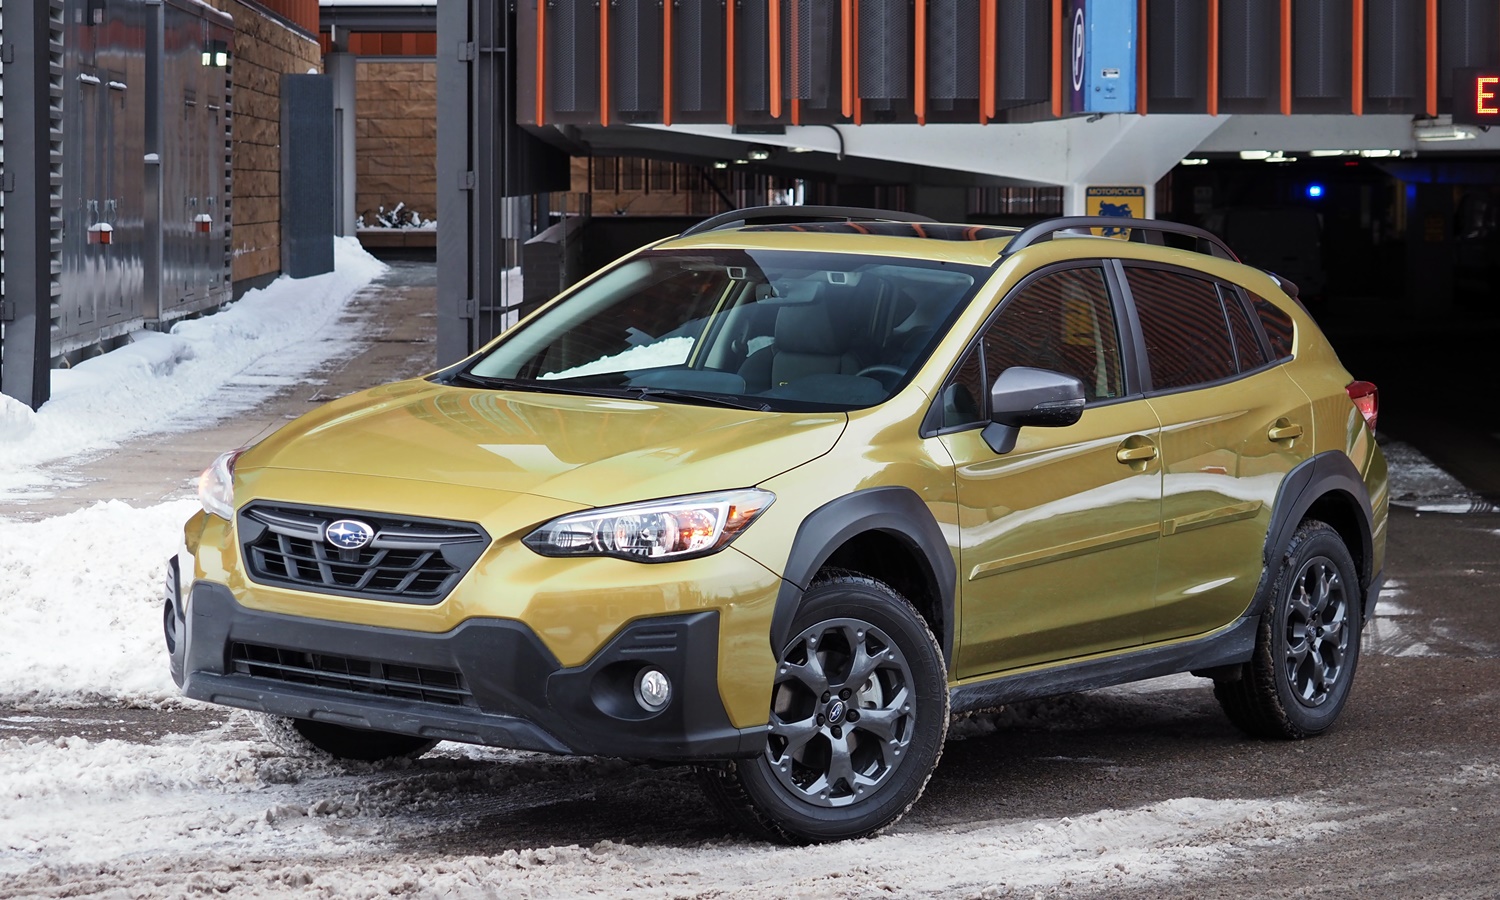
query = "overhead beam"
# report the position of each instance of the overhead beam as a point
(379, 17)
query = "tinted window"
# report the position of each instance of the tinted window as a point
(1247, 346)
(1278, 326)
(1063, 322)
(1187, 337)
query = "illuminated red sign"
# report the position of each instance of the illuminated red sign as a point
(1476, 96)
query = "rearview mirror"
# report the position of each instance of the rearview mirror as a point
(1023, 396)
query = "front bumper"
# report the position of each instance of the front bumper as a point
(488, 681)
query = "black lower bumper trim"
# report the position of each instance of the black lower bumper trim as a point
(522, 697)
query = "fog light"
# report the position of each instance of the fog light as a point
(653, 690)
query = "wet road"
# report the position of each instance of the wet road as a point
(1401, 799)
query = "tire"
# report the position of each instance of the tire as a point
(1307, 647)
(307, 738)
(856, 726)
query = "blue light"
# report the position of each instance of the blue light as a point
(1315, 191)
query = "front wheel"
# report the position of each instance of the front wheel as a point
(1307, 646)
(859, 712)
(309, 738)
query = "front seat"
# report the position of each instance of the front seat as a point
(808, 342)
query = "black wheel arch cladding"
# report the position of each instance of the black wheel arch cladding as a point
(1326, 474)
(897, 512)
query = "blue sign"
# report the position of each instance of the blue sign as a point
(1100, 38)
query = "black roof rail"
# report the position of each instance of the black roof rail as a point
(1142, 231)
(802, 214)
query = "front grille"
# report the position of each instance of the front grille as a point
(347, 673)
(409, 560)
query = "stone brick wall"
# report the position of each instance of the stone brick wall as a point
(396, 137)
(264, 50)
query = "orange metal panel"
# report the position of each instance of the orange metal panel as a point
(1432, 57)
(1286, 57)
(729, 64)
(1213, 57)
(919, 70)
(986, 60)
(1057, 37)
(604, 63)
(849, 69)
(541, 62)
(1357, 87)
(666, 63)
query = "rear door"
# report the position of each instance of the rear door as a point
(1233, 423)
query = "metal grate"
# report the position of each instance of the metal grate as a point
(347, 673)
(408, 560)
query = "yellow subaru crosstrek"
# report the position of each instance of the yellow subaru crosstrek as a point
(780, 495)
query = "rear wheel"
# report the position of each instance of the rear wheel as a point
(859, 712)
(305, 737)
(1308, 644)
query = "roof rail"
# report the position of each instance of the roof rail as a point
(1142, 231)
(801, 214)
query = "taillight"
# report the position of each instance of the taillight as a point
(1366, 399)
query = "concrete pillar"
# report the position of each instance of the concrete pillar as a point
(343, 68)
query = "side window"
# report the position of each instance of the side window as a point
(963, 396)
(1063, 322)
(1278, 326)
(1247, 346)
(1187, 337)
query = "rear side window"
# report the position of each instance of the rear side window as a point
(1278, 326)
(1247, 347)
(1187, 335)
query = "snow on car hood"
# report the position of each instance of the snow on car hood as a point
(592, 451)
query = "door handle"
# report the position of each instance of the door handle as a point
(1284, 431)
(1136, 454)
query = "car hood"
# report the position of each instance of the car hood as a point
(592, 451)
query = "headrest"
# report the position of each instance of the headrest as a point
(809, 329)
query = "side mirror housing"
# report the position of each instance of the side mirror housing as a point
(1023, 396)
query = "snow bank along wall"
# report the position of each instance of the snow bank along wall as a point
(128, 124)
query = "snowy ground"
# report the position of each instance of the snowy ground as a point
(203, 370)
(215, 812)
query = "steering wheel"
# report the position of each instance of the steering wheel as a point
(896, 372)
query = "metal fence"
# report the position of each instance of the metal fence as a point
(116, 157)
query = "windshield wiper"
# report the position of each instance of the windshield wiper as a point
(651, 393)
(517, 384)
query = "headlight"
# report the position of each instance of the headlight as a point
(655, 531)
(216, 486)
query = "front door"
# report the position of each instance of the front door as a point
(1058, 538)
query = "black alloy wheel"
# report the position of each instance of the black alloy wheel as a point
(859, 711)
(1307, 646)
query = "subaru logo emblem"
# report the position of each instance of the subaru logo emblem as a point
(836, 711)
(348, 534)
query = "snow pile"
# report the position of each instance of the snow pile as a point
(82, 600)
(211, 812)
(170, 382)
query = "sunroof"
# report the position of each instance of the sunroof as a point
(929, 230)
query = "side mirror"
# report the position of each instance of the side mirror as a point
(1023, 396)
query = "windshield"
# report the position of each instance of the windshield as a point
(781, 330)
